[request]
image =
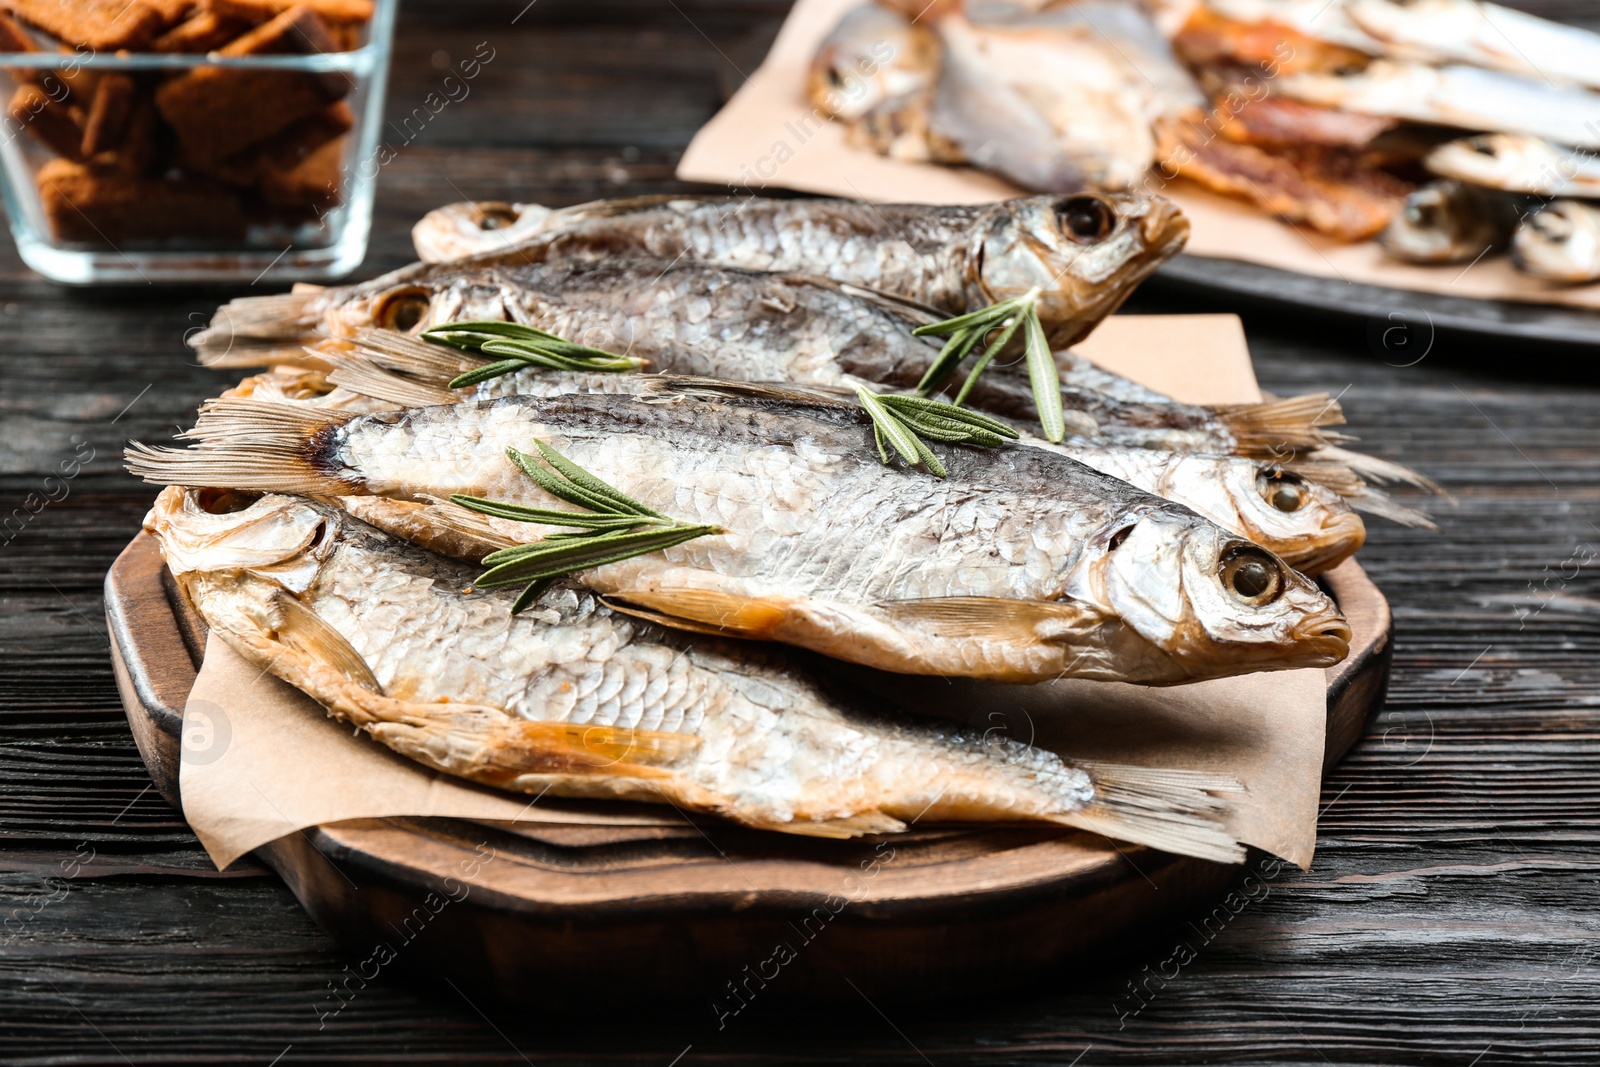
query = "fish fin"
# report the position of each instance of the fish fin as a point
(405, 354)
(1274, 427)
(862, 822)
(1377, 502)
(248, 444)
(1183, 812)
(1382, 471)
(259, 330)
(703, 611)
(445, 528)
(361, 375)
(995, 617)
(306, 632)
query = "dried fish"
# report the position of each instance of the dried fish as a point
(1086, 253)
(1451, 222)
(1561, 243)
(1327, 188)
(580, 701)
(1483, 35)
(876, 72)
(1467, 97)
(1020, 566)
(690, 318)
(1520, 164)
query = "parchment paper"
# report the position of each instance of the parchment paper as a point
(767, 136)
(261, 759)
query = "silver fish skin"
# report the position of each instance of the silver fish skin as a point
(1451, 222)
(1308, 525)
(1560, 244)
(1468, 97)
(573, 698)
(1086, 253)
(1483, 35)
(1518, 163)
(692, 318)
(1020, 566)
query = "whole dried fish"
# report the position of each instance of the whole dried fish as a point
(1561, 243)
(1306, 524)
(1520, 164)
(577, 700)
(1086, 253)
(1270, 40)
(1483, 35)
(1467, 97)
(1020, 566)
(690, 318)
(1451, 222)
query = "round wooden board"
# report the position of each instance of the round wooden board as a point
(560, 912)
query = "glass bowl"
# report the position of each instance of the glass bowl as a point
(150, 167)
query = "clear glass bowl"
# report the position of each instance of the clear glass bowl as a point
(237, 214)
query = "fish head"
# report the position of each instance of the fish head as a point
(282, 539)
(1561, 243)
(1510, 161)
(472, 227)
(1203, 602)
(1084, 254)
(1309, 526)
(1431, 225)
(411, 304)
(874, 57)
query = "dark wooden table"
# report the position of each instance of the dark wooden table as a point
(1452, 916)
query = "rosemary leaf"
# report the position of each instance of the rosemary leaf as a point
(903, 421)
(614, 527)
(982, 317)
(1045, 377)
(486, 372)
(521, 347)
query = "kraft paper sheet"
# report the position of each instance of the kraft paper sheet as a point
(767, 136)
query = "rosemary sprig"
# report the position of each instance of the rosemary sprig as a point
(618, 527)
(967, 332)
(901, 422)
(519, 347)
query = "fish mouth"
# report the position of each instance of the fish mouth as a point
(1164, 229)
(1339, 539)
(1327, 635)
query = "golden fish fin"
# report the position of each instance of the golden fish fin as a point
(862, 822)
(257, 445)
(1272, 428)
(703, 611)
(515, 747)
(1381, 471)
(259, 330)
(361, 375)
(994, 617)
(407, 355)
(448, 529)
(306, 632)
(1184, 812)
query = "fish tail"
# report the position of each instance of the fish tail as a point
(255, 331)
(361, 375)
(1277, 427)
(259, 445)
(404, 354)
(1383, 471)
(1377, 502)
(1176, 811)
(1330, 468)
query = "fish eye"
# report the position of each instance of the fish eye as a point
(494, 215)
(401, 309)
(1086, 219)
(1480, 146)
(225, 501)
(1284, 491)
(1252, 576)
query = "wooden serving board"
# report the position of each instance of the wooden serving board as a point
(561, 911)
